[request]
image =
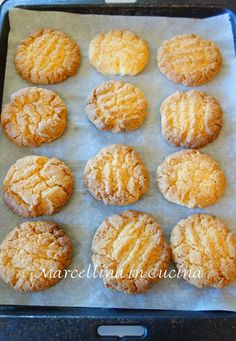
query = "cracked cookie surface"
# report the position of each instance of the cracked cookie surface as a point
(191, 119)
(203, 245)
(188, 59)
(37, 185)
(34, 116)
(46, 57)
(118, 53)
(116, 175)
(131, 251)
(191, 179)
(116, 106)
(33, 254)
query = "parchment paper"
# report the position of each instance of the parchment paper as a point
(83, 214)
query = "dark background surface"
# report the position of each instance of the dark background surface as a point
(52, 323)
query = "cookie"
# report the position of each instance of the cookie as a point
(204, 251)
(47, 57)
(188, 59)
(34, 255)
(191, 179)
(116, 175)
(37, 185)
(118, 52)
(191, 119)
(116, 106)
(130, 251)
(34, 116)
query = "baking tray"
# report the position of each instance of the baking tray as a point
(50, 323)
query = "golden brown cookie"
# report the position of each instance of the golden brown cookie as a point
(37, 185)
(204, 251)
(191, 119)
(188, 59)
(191, 179)
(47, 57)
(116, 175)
(116, 106)
(33, 256)
(118, 53)
(34, 116)
(130, 251)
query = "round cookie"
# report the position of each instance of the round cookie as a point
(130, 251)
(191, 179)
(116, 106)
(34, 116)
(34, 255)
(47, 57)
(37, 185)
(116, 175)
(191, 119)
(118, 52)
(188, 59)
(204, 251)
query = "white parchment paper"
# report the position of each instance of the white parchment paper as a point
(83, 214)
